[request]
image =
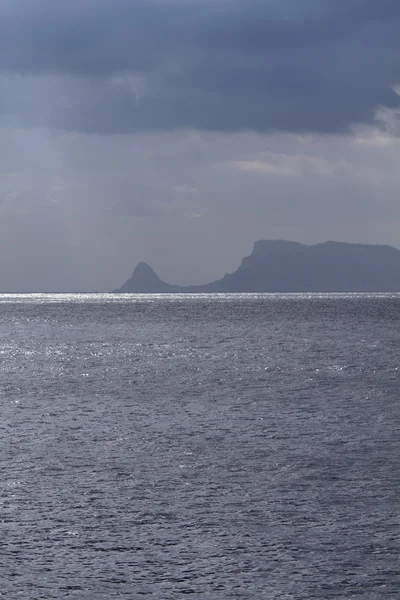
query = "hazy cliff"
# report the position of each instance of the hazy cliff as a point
(281, 266)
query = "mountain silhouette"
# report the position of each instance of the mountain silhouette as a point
(283, 266)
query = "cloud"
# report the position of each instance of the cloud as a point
(122, 66)
(77, 212)
(286, 165)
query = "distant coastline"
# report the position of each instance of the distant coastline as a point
(284, 266)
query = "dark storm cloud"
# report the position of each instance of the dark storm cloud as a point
(224, 65)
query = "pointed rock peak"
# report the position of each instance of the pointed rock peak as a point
(144, 270)
(143, 280)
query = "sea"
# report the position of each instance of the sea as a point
(207, 446)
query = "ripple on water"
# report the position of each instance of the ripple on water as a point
(222, 446)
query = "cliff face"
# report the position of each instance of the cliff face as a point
(281, 266)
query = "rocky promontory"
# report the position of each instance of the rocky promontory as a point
(283, 266)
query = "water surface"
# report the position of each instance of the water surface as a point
(217, 446)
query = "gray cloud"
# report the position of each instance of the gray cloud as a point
(118, 66)
(79, 211)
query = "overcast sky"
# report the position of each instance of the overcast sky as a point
(178, 132)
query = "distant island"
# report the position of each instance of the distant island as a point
(282, 266)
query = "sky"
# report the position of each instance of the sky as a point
(178, 132)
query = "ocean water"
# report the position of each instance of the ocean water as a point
(217, 447)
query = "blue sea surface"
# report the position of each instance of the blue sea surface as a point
(211, 446)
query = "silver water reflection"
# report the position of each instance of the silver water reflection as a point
(224, 446)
